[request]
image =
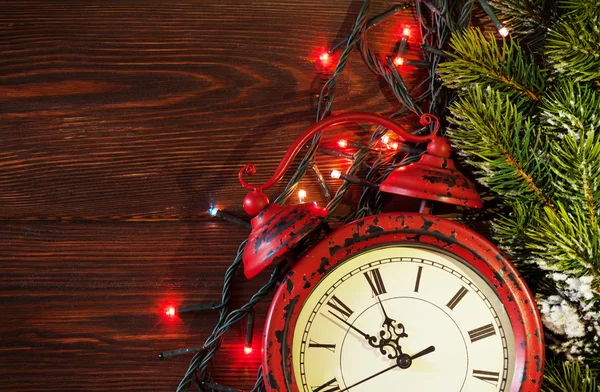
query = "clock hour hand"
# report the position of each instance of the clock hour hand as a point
(385, 315)
(364, 335)
(428, 350)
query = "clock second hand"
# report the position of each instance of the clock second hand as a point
(421, 353)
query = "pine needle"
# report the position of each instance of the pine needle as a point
(479, 61)
(569, 377)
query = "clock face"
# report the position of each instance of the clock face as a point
(403, 317)
(403, 302)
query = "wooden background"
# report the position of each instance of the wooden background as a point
(121, 122)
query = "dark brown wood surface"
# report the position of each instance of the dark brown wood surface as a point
(121, 122)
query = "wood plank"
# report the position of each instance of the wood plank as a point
(112, 109)
(83, 304)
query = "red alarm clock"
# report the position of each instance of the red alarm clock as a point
(396, 301)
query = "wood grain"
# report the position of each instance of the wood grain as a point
(83, 304)
(145, 109)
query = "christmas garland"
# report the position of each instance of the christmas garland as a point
(531, 134)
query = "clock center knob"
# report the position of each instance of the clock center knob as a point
(404, 361)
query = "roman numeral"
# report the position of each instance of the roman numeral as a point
(457, 297)
(374, 278)
(330, 347)
(482, 332)
(329, 386)
(418, 282)
(344, 311)
(489, 377)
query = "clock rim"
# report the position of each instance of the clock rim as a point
(395, 228)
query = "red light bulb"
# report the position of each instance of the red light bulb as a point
(394, 145)
(406, 32)
(398, 61)
(343, 143)
(170, 311)
(325, 58)
(247, 350)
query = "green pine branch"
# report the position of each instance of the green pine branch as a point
(566, 241)
(571, 114)
(569, 377)
(584, 10)
(502, 144)
(480, 61)
(573, 49)
(510, 230)
(532, 135)
(528, 18)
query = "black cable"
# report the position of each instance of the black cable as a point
(443, 19)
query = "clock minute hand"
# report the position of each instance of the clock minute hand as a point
(369, 378)
(399, 363)
(364, 335)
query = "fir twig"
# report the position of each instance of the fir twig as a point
(569, 377)
(479, 61)
(573, 49)
(509, 148)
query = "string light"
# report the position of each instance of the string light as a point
(343, 143)
(325, 58)
(181, 351)
(394, 145)
(334, 153)
(385, 139)
(321, 181)
(198, 308)
(502, 30)
(214, 211)
(249, 334)
(402, 47)
(170, 311)
(301, 196)
(352, 179)
(373, 22)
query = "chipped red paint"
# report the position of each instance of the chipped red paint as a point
(276, 230)
(404, 228)
(433, 177)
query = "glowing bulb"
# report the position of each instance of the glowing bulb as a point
(394, 145)
(503, 31)
(336, 174)
(406, 31)
(247, 350)
(342, 143)
(398, 61)
(170, 311)
(213, 211)
(385, 139)
(325, 58)
(301, 195)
